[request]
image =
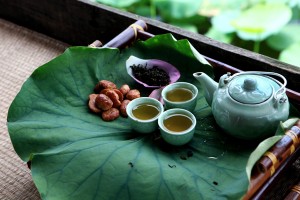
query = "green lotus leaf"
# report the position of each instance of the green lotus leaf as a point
(219, 36)
(117, 3)
(260, 21)
(179, 8)
(215, 7)
(74, 154)
(285, 37)
(291, 55)
(291, 3)
(222, 21)
(187, 27)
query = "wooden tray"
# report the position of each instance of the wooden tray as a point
(80, 22)
(260, 182)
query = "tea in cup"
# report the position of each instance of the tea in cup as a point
(177, 126)
(143, 113)
(180, 95)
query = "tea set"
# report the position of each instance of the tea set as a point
(177, 124)
(246, 105)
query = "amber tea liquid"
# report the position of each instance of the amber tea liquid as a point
(145, 111)
(179, 94)
(178, 122)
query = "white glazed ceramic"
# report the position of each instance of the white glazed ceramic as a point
(247, 105)
(188, 105)
(177, 138)
(144, 126)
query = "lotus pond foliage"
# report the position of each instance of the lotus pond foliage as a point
(269, 27)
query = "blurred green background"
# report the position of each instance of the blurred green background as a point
(268, 27)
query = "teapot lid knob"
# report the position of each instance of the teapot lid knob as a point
(251, 89)
(250, 84)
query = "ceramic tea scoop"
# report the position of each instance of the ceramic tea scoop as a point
(169, 69)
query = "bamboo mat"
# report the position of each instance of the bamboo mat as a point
(21, 52)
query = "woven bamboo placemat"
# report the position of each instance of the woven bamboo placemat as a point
(21, 52)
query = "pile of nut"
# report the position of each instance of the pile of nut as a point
(110, 101)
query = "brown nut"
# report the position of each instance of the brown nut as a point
(133, 94)
(111, 114)
(124, 89)
(114, 98)
(121, 96)
(123, 107)
(104, 84)
(103, 102)
(104, 91)
(92, 105)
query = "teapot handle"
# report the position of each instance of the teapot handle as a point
(279, 94)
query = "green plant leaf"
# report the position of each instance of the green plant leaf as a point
(76, 155)
(215, 7)
(198, 22)
(262, 20)
(285, 37)
(142, 10)
(118, 3)
(178, 8)
(294, 3)
(291, 55)
(218, 35)
(222, 21)
(291, 3)
(186, 26)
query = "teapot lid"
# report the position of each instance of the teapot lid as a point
(251, 89)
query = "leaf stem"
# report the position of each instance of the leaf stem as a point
(256, 47)
(152, 9)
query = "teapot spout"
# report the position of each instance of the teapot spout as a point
(208, 84)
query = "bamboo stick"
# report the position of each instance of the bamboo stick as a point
(127, 36)
(266, 168)
(281, 150)
(294, 193)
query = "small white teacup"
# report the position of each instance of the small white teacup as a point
(177, 126)
(180, 95)
(143, 113)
